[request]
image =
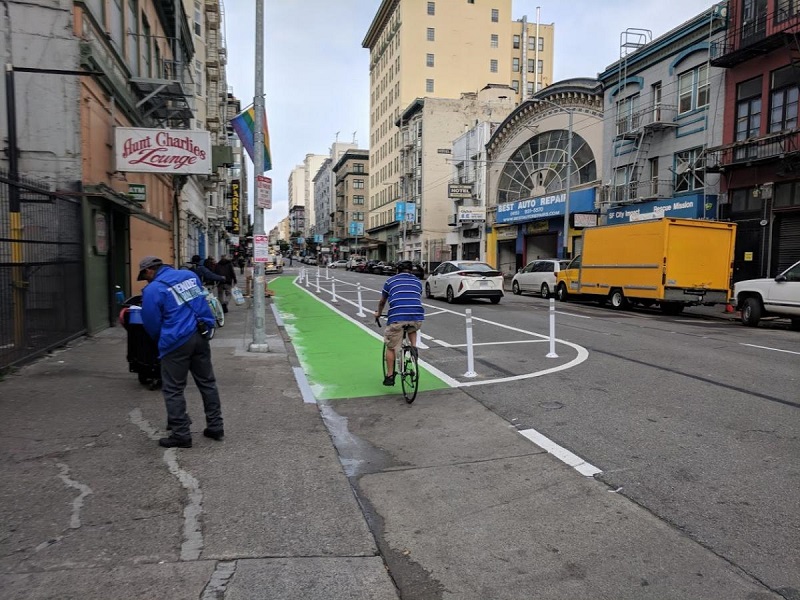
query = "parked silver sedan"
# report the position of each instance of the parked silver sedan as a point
(538, 276)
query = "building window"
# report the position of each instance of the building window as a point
(431, 8)
(358, 184)
(693, 89)
(495, 41)
(515, 65)
(358, 199)
(515, 85)
(787, 9)
(531, 63)
(198, 77)
(429, 60)
(148, 47)
(540, 67)
(516, 42)
(117, 26)
(132, 21)
(358, 216)
(783, 100)
(787, 195)
(493, 66)
(495, 15)
(429, 86)
(689, 170)
(529, 87)
(470, 1)
(358, 167)
(531, 43)
(541, 44)
(743, 201)
(431, 34)
(627, 119)
(748, 114)
(198, 18)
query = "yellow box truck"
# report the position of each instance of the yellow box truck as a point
(671, 262)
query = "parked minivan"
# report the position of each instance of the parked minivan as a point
(538, 276)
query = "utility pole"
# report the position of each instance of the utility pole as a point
(259, 343)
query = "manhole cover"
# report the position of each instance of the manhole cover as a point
(551, 405)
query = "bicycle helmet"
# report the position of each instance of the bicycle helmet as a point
(405, 265)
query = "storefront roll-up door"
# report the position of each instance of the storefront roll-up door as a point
(787, 243)
(507, 256)
(541, 246)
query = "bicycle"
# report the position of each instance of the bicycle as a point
(406, 365)
(215, 306)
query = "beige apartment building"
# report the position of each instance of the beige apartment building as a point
(441, 49)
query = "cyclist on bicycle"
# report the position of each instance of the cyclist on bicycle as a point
(403, 292)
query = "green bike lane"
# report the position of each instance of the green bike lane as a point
(340, 359)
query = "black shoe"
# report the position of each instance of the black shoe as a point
(174, 442)
(214, 434)
(225, 308)
(389, 380)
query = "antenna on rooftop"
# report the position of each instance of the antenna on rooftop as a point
(354, 137)
(337, 137)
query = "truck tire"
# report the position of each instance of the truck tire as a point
(617, 299)
(561, 292)
(751, 312)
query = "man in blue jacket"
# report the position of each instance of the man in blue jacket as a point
(176, 314)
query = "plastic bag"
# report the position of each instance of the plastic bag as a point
(238, 297)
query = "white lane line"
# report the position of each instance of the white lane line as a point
(768, 348)
(702, 321)
(498, 343)
(561, 312)
(438, 312)
(573, 460)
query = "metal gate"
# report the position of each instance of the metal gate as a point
(42, 294)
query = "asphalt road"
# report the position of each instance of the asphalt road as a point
(694, 419)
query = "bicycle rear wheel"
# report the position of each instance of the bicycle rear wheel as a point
(216, 310)
(409, 372)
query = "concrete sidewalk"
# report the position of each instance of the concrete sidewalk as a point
(93, 508)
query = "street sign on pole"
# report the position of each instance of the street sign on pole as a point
(260, 248)
(264, 192)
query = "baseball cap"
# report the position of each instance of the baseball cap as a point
(195, 259)
(148, 262)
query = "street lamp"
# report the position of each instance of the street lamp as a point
(568, 189)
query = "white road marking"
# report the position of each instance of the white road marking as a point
(703, 321)
(561, 312)
(573, 460)
(768, 348)
(498, 343)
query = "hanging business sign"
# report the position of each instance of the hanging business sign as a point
(137, 192)
(459, 190)
(405, 211)
(471, 214)
(264, 192)
(583, 220)
(356, 228)
(235, 198)
(175, 151)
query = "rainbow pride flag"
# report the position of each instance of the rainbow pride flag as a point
(244, 126)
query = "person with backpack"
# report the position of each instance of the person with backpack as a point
(225, 268)
(205, 274)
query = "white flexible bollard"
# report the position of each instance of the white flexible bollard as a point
(302, 274)
(470, 353)
(318, 280)
(308, 282)
(552, 353)
(333, 292)
(360, 312)
(327, 273)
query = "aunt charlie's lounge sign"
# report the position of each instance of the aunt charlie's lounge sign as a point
(176, 151)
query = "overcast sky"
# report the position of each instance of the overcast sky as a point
(316, 74)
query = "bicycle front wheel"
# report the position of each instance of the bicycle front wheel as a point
(409, 372)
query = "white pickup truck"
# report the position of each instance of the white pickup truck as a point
(779, 297)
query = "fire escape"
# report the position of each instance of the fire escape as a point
(756, 36)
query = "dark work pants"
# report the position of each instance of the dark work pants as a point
(194, 356)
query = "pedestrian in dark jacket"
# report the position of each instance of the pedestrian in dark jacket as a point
(225, 268)
(205, 274)
(176, 314)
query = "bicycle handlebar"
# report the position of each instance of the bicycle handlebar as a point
(378, 321)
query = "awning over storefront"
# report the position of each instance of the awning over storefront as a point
(544, 207)
(694, 206)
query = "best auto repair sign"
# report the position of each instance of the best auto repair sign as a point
(179, 151)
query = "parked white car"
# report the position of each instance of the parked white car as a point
(778, 297)
(538, 276)
(456, 279)
(338, 264)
